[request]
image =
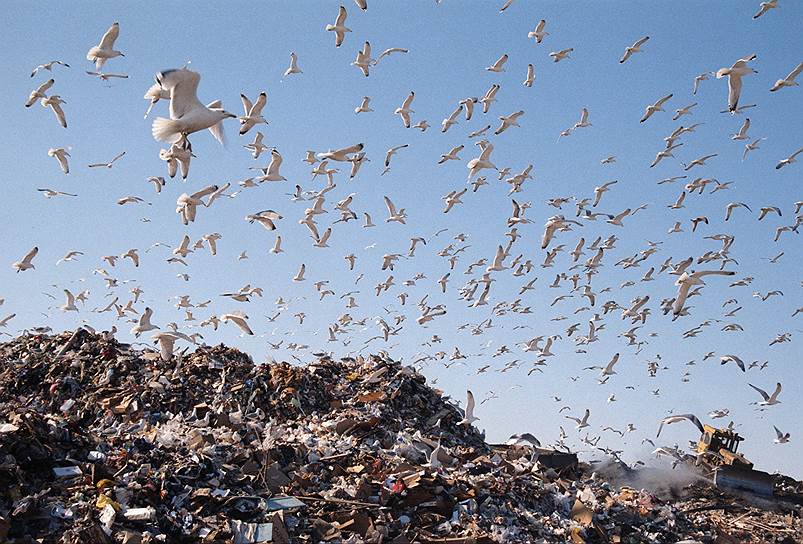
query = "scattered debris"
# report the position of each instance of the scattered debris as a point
(102, 443)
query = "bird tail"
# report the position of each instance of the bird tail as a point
(166, 130)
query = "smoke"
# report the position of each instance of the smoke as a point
(657, 476)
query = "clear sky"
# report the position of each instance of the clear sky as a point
(247, 49)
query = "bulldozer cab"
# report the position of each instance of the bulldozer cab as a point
(720, 446)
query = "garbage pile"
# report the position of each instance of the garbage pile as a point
(103, 443)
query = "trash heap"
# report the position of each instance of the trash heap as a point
(102, 443)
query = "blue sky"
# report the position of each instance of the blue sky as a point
(247, 50)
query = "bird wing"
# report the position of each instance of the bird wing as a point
(734, 90)
(183, 87)
(108, 39)
(795, 154)
(275, 162)
(761, 392)
(30, 255)
(391, 207)
(59, 114)
(641, 42)
(247, 104)
(794, 73)
(347, 150)
(341, 16)
(663, 100)
(777, 391)
(256, 109)
(674, 419)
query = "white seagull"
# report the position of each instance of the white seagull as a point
(187, 114)
(105, 49)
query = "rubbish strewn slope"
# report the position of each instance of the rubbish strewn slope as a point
(103, 443)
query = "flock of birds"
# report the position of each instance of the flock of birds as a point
(570, 244)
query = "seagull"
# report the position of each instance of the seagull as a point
(271, 173)
(293, 69)
(769, 400)
(364, 59)
(451, 155)
(389, 51)
(674, 419)
(187, 114)
(698, 162)
(404, 110)
(144, 323)
(686, 110)
(25, 263)
(538, 34)
(392, 151)
(50, 193)
(725, 359)
(686, 281)
(602, 189)
(70, 256)
(489, 98)
(780, 438)
(178, 154)
(253, 112)
(55, 102)
(339, 27)
(186, 205)
(608, 370)
(558, 56)
(499, 65)
(742, 134)
(266, 218)
(482, 162)
(105, 76)
(256, 147)
(469, 417)
(48, 66)
(581, 423)
(447, 123)
(364, 105)
(528, 81)
(60, 155)
(393, 215)
(239, 319)
(734, 75)
(342, 154)
(788, 160)
(583, 122)
(105, 49)
(788, 81)
(658, 106)
(635, 48)
(108, 164)
(300, 275)
(39, 92)
(508, 121)
(69, 305)
(765, 7)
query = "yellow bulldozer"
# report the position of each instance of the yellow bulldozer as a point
(718, 449)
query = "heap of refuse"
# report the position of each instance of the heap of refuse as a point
(102, 443)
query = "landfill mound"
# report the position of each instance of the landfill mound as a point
(102, 443)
